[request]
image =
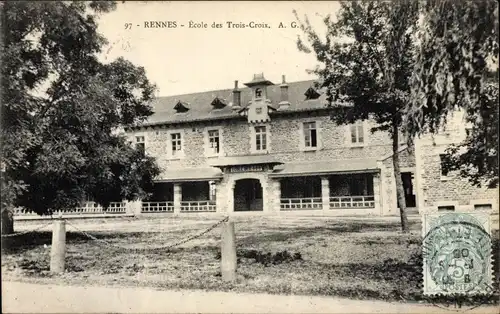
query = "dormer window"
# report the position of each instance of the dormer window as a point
(258, 93)
(311, 93)
(181, 107)
(218, 103)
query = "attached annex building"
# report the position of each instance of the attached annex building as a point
(267, 148)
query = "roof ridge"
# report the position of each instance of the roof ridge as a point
(225, 90)
(195, 93)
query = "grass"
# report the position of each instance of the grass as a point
(356, 258)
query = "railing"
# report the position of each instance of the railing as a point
(157, 207)
(20, 211)
(300, 203)
(88, 208)
(367, 201)
(198, 206)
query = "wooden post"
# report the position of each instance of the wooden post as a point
(58, 249)
(228, 252)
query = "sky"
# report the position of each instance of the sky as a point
(184, 60)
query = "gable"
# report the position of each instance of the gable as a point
(312, 93)
(218, 103)
(181, 107)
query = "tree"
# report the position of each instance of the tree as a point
(457, 68)
(366, 61)
(59, 143)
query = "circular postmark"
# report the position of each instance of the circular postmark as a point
(457, 258)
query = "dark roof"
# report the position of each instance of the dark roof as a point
(200, 103)
(190, 174)
(325, 167)
(244, 160)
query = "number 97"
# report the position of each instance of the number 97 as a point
(128, 25)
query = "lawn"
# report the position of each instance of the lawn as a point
(356, 258)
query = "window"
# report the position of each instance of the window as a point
(360, 184)
(176, 143)
(482, 207)
(357, 133)
(140, 144)
(444, 171)
(258, 110)
(260, 138)
(448, 208)
(213, 142)
(310, 134)
(258, 93)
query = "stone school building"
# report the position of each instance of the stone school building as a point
(270, 148)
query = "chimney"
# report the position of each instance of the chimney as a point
(236, 96)
(284, 103)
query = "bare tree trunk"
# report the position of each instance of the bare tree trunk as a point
(399, 182)
(7, 222)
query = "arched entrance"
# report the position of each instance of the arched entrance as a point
(248, 195)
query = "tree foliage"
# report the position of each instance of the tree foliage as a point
(366, 60)
(458, 52)
(61, 108)
(476, 158)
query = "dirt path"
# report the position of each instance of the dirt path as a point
(36, 298)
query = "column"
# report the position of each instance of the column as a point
(387, 191)
(229, 203)
(277, 195)
(177, 197)
(376, 194)
(274, 196)
(220, 197)
(325, 193)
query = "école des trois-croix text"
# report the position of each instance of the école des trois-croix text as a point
(207, 25)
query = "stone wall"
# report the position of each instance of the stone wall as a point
(436, 190)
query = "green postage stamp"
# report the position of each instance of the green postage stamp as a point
(457, 254)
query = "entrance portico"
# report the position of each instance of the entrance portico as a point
(245, 186)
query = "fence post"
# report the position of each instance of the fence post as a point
(58, 248)
(228, 252)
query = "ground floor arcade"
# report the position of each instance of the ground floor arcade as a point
(356, 192)
(354, 186)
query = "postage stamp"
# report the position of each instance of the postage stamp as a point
(457, 254)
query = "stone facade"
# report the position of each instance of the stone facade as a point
(285, 145)
(436, 191)
(285, 141)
